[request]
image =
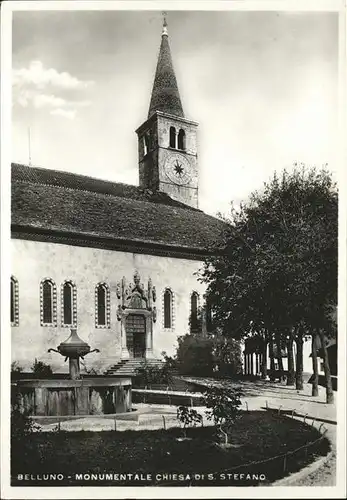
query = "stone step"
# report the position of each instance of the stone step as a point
(135, 362)
(129, 366)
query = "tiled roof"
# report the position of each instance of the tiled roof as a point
(165, 94)
(35, 175)
(66, 202)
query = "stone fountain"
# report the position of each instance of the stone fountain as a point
(76, 395)
(73, 349)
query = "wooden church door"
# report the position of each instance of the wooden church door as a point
(135, 326)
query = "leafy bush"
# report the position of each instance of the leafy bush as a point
(188, 416)
(21, 424)
(227, 356)
(208, 355)
(148, 374)
(16, 368)
(223, 404)
(23, 451)
(41, 369)
(195, 355)
(170, 362)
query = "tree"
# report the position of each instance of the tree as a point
(188, 416)
(326, 330)
(223, 408)
(299, 362)
(278, 269)
(291, 370)
(279, 354)
(314, 364)
(41, 369)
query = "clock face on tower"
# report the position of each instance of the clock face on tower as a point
(178, 169)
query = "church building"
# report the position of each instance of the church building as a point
(117, 262)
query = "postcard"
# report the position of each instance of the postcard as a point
(173, 239)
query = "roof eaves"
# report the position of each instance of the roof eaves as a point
(17, 227)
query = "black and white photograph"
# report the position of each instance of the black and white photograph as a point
(173, 265)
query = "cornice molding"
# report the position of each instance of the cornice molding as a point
(65, 238)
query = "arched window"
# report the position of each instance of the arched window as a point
(48, 302)
(181, 139)
(194, 304)
(145, 148)
(172, 137)
(167, 308)
(146, 143)
(14, 302)
(68, 304)
(102, 306)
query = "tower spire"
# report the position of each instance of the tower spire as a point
(165, 95)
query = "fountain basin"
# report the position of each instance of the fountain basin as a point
(62, 397)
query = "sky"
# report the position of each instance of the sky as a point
(262, 85)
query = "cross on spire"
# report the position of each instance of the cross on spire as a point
(164, 32)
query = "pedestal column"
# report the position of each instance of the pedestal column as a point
(74, 368)
(125, 352)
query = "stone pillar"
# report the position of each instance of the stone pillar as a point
(81, 400)
(252, 368)
(74, 368)
(40, 400)
(149, 343)
(149, 337)
(125, 352)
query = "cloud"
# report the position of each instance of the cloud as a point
(66, 113)
(41, 78)
(38, 87)
(25, 97)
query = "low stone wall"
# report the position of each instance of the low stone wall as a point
(73, 397)
(167, 397)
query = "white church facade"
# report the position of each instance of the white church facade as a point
(115, 261)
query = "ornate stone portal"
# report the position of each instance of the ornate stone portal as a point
(137, 313)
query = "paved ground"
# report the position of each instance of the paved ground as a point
(324, 476)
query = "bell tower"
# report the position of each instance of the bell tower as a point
(167, 141)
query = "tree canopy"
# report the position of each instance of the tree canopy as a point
(279, 269)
